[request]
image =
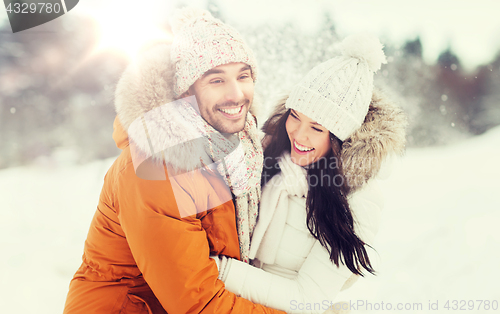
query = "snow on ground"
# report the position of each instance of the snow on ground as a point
(45, 213)
(439, 238)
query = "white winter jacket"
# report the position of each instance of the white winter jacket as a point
(297, 275)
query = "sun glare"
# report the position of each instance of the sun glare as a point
(124, 28)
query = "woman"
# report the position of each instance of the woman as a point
(319, 209)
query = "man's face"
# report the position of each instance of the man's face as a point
(224, 95)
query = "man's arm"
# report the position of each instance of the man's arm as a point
(171, 251)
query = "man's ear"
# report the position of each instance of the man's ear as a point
(187, 93)
(190, 92)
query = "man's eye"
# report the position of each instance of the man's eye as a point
(245, 76)
(215, 81)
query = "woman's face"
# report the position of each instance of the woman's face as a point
(309, 140)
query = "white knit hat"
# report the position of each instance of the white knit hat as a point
(202, 42)
(337, 93)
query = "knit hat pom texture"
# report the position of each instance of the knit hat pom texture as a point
(364, 47)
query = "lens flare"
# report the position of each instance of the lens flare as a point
(126, 27)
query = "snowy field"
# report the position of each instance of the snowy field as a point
(439, 238)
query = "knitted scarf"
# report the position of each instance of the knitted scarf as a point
(239, 161)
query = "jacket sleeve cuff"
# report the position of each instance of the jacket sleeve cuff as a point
(234, 275)
(223, 267)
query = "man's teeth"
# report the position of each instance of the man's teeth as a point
(302, 148)
(231, 111)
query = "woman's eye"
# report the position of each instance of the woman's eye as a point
(317, 130)
(215, 81)
(244, 77)
(294, 116)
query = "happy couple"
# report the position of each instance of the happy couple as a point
(196, 216)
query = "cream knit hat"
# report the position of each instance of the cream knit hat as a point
(202, 42)
(337, 93)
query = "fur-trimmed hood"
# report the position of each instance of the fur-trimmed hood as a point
(145, 103)
(382, 134)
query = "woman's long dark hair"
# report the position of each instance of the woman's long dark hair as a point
(329, 218)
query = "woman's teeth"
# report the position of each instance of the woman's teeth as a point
(302, 148)
(231, 111)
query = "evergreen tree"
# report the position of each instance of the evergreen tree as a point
(413, 48)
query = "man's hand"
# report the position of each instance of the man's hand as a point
(223, 264)
(217, 261)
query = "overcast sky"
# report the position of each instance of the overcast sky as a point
(470, 27)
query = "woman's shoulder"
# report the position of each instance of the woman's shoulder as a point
(366, 205)
(370, 193)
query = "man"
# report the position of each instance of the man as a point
(186, 184)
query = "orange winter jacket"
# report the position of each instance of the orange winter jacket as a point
(142, 255)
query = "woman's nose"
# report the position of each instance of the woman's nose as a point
(301, 134)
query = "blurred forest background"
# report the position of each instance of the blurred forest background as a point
(56, 96)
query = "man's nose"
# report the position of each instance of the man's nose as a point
(234, 92)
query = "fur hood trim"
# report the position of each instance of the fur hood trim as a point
(382, 134)
(144, 100)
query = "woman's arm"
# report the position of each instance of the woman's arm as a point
(319, 280)
(312, 291)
